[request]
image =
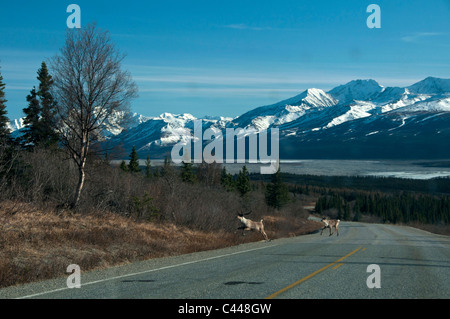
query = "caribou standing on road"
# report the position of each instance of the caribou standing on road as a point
(330, 223)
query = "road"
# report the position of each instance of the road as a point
(412, 264)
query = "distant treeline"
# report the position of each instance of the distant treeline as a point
(385, 199)
(402, 207)
(370, 183)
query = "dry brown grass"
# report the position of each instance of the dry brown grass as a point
(279, 226)
(37, 244)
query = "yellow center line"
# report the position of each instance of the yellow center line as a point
(311, 275)
(337, 266)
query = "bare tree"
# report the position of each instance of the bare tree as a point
(89, 87)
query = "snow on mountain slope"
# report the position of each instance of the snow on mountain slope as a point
(317, 97)
(285, 111)
(176, 128)
(311, 97)
(316, 109)
(358, 110)
(429, 106)
(394, 97)
(164, 131)
(120, 121)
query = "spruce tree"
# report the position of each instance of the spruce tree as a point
(227, 180)
(40, 113)
(243, 182)
(48, 111)
(187, 175)
(277, 193)
(133, 165)
(123, 166)
(347, 213)
(31, 136)
(4, 129)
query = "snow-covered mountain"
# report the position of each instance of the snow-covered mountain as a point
(121, 121)
(330, 124)
(356, 90)
(156, 135)
(401, 123)
(16, 125)
(307, 104)
(431, 85)
(315, 110)
(359, 119)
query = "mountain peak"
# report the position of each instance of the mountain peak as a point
(314, 91)
(356, 90)
(430, 85)
(170, 116)
(364, 82)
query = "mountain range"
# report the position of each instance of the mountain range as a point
(357, 120)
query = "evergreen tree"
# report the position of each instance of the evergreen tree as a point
(4, 130)
(277, 193)
(7, 149)
(243, 182)
(133, 165)
(187, 174)
(47, 123)
(31, 136)
(347, 214)
(40, 113)
(226, 180)
(357, 210)
(123, 166)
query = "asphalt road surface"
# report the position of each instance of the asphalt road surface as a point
(410, 263)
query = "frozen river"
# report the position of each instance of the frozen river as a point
(414, 169)
(402, 169)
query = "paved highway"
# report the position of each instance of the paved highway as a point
(411, 264)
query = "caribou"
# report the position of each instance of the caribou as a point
(248, 224)
(330, 223)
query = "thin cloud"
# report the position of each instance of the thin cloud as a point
(419, 36)
(223, 91)
(243, 26)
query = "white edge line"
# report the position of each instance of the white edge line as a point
(143, 272)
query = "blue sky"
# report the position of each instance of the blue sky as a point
(227, 57)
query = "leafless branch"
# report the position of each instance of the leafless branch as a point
(89, 87)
